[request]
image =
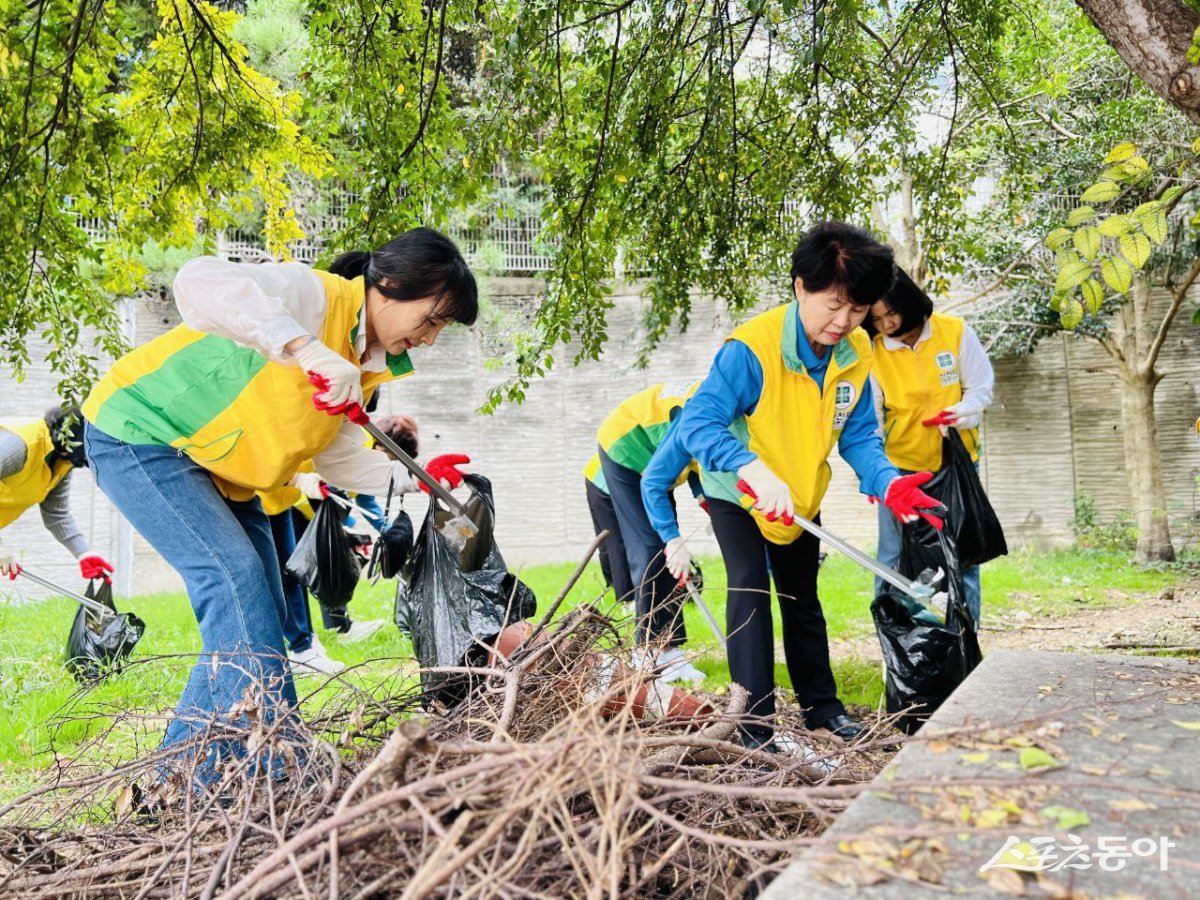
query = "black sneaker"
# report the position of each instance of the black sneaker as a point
(844, 727)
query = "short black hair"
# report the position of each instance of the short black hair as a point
(66, 431)
(418, 264)
(906, 300)
(846, 258)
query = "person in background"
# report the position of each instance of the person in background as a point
(36, 459)
(613, 562)
(627, 440)
(786, 386)
(930, 374)
(403, 430)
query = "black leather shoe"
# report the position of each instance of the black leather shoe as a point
(844, 727)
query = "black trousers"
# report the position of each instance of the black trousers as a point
(613, 563)
(659, 604)
(748, 619)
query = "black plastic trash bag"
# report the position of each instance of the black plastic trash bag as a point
(394, 547)
(970, 519)
(926, 658)
(324, 559)
(456, 600)
(99, 644)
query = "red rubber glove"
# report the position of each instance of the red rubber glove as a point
(907, 501)
(945, 417)
(744, 487)
(444, 468)
(95, 566)
(351, 409)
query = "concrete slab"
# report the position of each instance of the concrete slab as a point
(1085, 764)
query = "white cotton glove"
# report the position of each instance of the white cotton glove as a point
(679, 559)
(403, 481)
(965, 420)
(310, 484)
(8, 565)
(338, 381)
(773, 497)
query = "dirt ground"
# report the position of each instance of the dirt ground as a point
(1121, 622)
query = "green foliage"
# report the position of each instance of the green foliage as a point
(146, 120)
(1081, 212)
(1093, 533)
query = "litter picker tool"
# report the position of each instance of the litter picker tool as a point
(706, 613)
(90, 605)
(459, 529)
(922, 591)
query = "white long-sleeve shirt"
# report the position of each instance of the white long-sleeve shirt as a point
(264, 306)
(974, 372)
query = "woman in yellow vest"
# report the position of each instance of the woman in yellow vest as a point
(36, 459)
(784, 388)
(182, 432)
(627, 440)
(931, 373)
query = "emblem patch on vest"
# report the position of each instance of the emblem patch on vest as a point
(949, 366)
(844, 396)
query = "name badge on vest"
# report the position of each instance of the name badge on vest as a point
(949, 367)
(843, 402)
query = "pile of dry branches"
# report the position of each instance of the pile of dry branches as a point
(542, 781)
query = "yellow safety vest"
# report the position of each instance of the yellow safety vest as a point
(795, 423)
(634, 430)
(41, 474)
(917, 383)
(593, 473)
(247, 420)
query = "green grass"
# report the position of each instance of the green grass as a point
(36, 693)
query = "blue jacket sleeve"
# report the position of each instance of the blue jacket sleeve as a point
(861, 446)
(658, 480)
(731, 389)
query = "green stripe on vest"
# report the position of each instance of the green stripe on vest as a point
(195, 383)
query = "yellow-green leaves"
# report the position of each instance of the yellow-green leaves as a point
(1087, 242)
(1072, 274)
(1120, 153)
(1136, 249)
(1115, 226)
(1079, 215)
(1093, 295)
(1101, 192)
(1037, 758)
(1058, 237)
(1117, 274)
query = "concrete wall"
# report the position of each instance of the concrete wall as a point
(1054, 432)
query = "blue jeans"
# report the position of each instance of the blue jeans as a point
(889, 554)
(374, 511)
(224, 551)
(297, 624)
(659, 604)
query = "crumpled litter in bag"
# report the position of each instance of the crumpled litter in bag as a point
(926, 658)
(99, 644)
(324, 559)
(458, 599)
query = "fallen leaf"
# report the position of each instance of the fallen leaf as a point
(975, 757)
(1037, 758)
(1065, 818)
(1130, 805)
(1190, 726)
(1006, 881)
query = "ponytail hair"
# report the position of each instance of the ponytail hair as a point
(419, 264)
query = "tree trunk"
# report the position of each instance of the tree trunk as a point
(1145, 468)
(1132, 331)
(1152, 37)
